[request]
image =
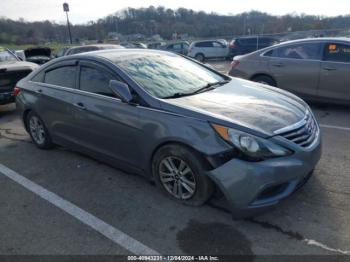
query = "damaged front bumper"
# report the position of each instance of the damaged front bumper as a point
(253, 187)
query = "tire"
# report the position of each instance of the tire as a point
(200, 57)
(264, 79)
(196, 187)
(38, 131)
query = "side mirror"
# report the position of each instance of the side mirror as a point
(122, 90)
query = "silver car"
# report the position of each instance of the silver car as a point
(203, 50)
(189, 128)
(315, 69)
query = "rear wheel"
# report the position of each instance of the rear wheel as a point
(38, 131)
(179, 173)
(264, 79)
(200, 57)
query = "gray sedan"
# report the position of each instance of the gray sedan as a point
(315, 69)
(189, 128)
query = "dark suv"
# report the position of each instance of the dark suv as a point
(244, 45)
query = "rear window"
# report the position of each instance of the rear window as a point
(337, 53)
(62, 76)
(310, 51)
(204, 44)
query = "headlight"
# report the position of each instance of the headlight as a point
(255, 148)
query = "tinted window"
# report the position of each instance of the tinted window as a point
(217, 44)
(176, 46)
(62, 76)
(298, 51)
(248, 41)
(95, 81)
(204, 44)
(337, 53)
(39, 77)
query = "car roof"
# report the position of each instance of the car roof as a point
(318, 39)
(96, 45)
(209, 40)
(114, 54)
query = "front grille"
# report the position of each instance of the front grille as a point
(303, 133)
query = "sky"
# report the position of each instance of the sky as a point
(82, 11)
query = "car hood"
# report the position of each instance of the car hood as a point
(37, 52)
(17, 65)
(252, 105)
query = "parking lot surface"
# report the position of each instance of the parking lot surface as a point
(107, 211)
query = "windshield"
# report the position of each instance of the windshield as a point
(164, 75)
(6, 56)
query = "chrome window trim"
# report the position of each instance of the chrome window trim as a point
(77, 91)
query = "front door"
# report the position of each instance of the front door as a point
(107, 126)
(335, 72)
(296, 68)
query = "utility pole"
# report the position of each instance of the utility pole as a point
(66, 9)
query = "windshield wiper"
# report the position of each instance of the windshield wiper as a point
(207, 87)
(210, 86)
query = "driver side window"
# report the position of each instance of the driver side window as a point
(95, 81)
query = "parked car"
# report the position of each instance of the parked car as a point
(89, 48)
(187, 127)
(20, 54)
(12, 69)
(38, 55)
(134, 45)
(315, 69)
(245, 45)
(178, 47)
(62, 51)
(202, 50)
(156, 45)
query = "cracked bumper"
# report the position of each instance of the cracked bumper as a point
(253, 187)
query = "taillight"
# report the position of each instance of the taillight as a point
(232, 44)
(16, 91)
(234, 64)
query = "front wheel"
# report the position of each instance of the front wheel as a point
(179, 173)
(200, 57)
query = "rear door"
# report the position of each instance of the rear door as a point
(296, 67)
(205, 48)
(53, 90)
(108, 127)
(335, 72)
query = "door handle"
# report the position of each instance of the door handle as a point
(278, 65)
(80, 105)
(329, 68)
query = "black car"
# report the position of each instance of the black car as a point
(12, 69)
(38, 55)
(245, 45)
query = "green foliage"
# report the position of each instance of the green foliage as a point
(163, 21)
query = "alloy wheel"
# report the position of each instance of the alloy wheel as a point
(177, 177)
(37, 130)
